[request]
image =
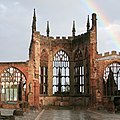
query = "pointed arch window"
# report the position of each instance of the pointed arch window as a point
(111, 80)
(13, 85)
(79, 82)
(43, 73)
(61, 80)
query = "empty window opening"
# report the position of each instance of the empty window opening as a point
(13, 85)
(111, 80)
(79, 82)
(61, 80)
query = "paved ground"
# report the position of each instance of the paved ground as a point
(63, 115)
(76, 115)
(31, 115)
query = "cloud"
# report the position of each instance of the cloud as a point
(16, 3)
(109, 37)
(114, 30)
(3, 8)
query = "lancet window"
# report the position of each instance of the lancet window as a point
(61, 80)
(79, 82)
(43, 73)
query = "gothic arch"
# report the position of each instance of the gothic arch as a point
(77, 49)
(79, 73)
(13, 83)
(44, 58)
(63, 51)
(43, 72)
(109, 63)
(61, 79)
(78, 55)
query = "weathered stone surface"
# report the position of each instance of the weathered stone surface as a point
(18, 112)
(41, 54)
(2, 117)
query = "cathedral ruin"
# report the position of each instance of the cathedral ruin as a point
(61, 71)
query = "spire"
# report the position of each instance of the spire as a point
(48, 29)
(34, 22)
(73, 30)
(88, 24)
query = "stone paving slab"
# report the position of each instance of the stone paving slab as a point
(77, 115)
(30, 115)
(63, 115)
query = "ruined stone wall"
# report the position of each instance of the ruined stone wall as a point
(23, 68)
(102, 62)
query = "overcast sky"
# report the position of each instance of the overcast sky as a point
(16, 19)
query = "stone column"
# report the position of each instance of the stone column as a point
(72, 77)
(50, 74)
(36, 93)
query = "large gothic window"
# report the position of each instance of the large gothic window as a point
(111, 80)
(13, 84)
(43, 73)
(61, 80)
(79, 83)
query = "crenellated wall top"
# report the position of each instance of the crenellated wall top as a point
(108, 56)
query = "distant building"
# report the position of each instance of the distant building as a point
(61, 71)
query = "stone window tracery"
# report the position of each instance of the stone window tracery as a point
(43, 73)
(111, 80)
(79, 82)
(43, 80)
(13, 83)
(61, 80)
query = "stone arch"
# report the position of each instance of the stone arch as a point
(54, 53)
(77, 49)
(78, 55)
(109, 63)
(43, 72)
(44, 57)
(61, 77)
(79, 72)
(13, 83)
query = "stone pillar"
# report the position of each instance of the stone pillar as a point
(72, 91)
(93, 92)
(50, 74)
(36, 93)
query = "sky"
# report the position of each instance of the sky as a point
(16, 21)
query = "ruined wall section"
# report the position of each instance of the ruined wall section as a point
(102, 62)
(52, 46)
(23, 68)
(81, 42)
(34, 69)
(93, 53)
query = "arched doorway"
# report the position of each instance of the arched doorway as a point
(13, 85)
